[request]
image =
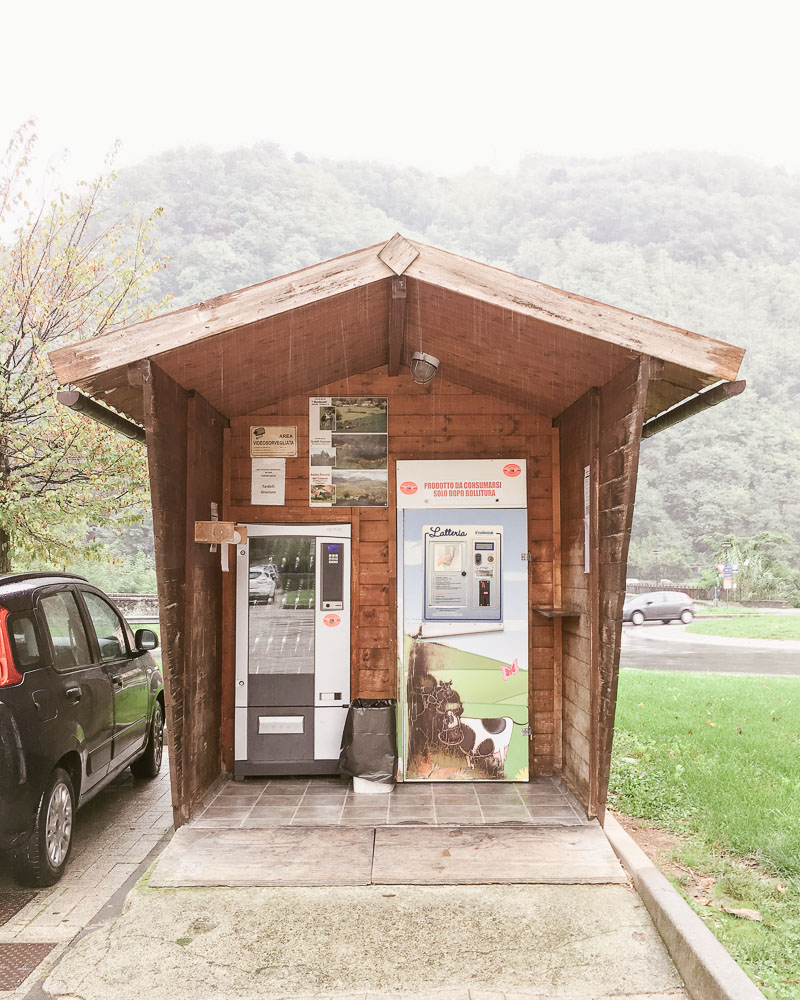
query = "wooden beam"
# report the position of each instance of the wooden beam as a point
(202, 601)
(208, 319)
(397, 323)
(398, 253)
(574, 312)
(594, 603)
(166, 422)
(622, 409)
(558, 668)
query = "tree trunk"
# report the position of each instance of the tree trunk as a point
(5, 538)
(5, 551)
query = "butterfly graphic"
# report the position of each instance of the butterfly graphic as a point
(508, 671)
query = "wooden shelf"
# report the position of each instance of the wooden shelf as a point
(557, 612)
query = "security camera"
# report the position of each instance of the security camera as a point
(423, 367)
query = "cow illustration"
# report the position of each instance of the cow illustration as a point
(477, 739)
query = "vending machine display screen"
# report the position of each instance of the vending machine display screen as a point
(462, 573)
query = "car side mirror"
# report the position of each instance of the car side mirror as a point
(145, 639)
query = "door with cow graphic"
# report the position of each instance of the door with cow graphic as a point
(463, 639)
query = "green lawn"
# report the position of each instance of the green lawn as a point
(761, 627)
(716, 760)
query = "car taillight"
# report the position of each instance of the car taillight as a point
(9, 675)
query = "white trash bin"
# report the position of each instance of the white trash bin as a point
(363, 786)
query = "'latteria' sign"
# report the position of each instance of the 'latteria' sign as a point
(486, 482)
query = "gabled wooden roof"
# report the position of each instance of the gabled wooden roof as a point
(492, 330)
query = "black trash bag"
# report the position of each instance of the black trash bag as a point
(369, 740)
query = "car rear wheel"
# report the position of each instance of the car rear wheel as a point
(686, 616)
(637, 618)
(149, 764)
(43, 857)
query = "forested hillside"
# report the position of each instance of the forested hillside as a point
(705, 242)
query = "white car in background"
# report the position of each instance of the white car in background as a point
(263, 583)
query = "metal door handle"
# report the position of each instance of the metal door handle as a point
(74, 694)
(116, 680)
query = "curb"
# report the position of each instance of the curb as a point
(707, 969)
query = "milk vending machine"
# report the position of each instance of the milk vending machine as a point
(463, 620)
(292, 648)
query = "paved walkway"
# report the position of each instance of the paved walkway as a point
(114, 834)
(489, 942)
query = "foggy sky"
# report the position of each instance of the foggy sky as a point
(445, 86)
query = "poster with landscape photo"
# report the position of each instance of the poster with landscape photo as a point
(348, 451)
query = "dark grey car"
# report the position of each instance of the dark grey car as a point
(662, 605)
(81, 698)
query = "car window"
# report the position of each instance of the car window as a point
(108, 626)
(24, 641)
(64, 622)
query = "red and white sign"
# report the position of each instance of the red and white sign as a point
(331, 620)
(484, 482)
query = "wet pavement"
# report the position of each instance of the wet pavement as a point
(114, 834)
(654, 646)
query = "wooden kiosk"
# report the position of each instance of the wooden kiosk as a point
(526, 372)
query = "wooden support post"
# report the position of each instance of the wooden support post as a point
(622, 407)
(594, 599)
(558, 675)
(397, 323)
(166, 420)
(355, 603)
(203, 606)
(228, 678)
(184, 451)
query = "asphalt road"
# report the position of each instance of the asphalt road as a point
(654, 646)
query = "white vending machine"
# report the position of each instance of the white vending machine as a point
(292, 648)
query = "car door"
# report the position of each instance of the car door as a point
(126, 672)
(672, 608)
(83, 699)
(652, 606)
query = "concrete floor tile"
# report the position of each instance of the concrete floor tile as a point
(317, 815)
(278, 809)
(216, 812)
(285, 787)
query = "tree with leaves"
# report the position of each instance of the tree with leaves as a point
(760, 572)
(71, 267)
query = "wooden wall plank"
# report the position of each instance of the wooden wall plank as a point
(574, 454)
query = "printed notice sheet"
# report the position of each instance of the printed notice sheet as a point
(348, 451)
